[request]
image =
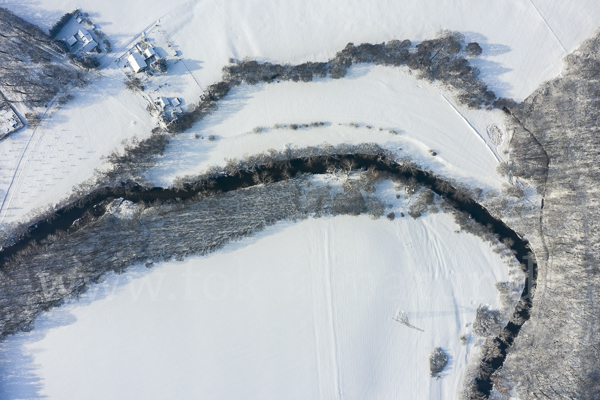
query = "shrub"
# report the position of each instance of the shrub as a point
(487, 322)
(391, 216)
(62, 100)
(33, 119)
(160, 64)
(134, 84)
(437, 362)
(211, 138)
(87, 62)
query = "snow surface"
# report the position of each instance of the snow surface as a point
(301, 310)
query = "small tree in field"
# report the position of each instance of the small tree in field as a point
(134, 84)
(474, 49)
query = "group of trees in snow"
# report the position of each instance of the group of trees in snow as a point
(32, 69)
(40, 276)
(441, 59)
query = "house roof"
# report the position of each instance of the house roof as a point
(175, 101)
(89, 46)
(85, 35)
(71, 40)
(136, 61)
(149, 52)
(163, 101)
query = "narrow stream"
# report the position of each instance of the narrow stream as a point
(95, 203)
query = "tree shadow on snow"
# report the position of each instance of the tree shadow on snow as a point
(18, 376)
(491, 71)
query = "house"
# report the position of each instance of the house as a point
(162, 102)
(149, 52)
(84, 36)
(137, 62)
(71, 40)
(89, 46)
(175, 101)
(9, 121)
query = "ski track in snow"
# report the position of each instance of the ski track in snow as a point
(548, 25)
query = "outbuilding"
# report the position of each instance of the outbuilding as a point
(89, 46)
(84, 35)
(149, 52)
(163, 102)
(71, 40)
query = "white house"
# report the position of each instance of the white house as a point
(84, 35)
(89, 46)
(71, 40)
(175, 101)
(137, 62)
(162, 102)
(149, 52)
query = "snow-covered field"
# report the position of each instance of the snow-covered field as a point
(302, 310)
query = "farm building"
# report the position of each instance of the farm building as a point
(9, 120)
(88, 41)
(89, 46)
(149, 52)
(137, 62)
(84, 35)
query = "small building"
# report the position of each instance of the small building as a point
(137, 62)
(84, 35)
(162, 102)
(175, 101)
(9, 120)
(71, 40)
(89, 46)
(149, 52)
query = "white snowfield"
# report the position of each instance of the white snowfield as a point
(300, 311)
